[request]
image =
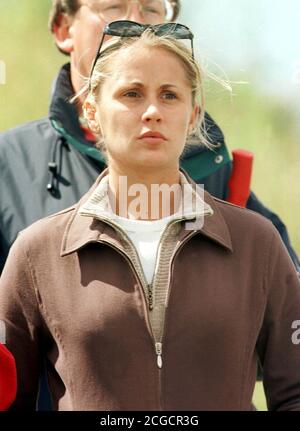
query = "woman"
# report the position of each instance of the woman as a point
(138, 305)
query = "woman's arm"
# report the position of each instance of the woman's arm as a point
(278, 348)
(20, 314)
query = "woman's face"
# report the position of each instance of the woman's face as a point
(145, 109)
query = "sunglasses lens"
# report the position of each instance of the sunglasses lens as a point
(183, 33)
(125, 28)
(177, 31)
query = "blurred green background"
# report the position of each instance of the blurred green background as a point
(249, 118)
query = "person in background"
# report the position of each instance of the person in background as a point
(48, 164)
(139, 305)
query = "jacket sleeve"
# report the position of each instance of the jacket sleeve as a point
(19, 312)
(279, 344)
(255, 205)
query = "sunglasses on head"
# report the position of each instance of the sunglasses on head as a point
(135, 29)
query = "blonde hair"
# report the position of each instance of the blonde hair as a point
(192, 70)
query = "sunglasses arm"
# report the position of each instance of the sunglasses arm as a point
(192, 44)
(97, 55)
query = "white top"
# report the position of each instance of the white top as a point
(145, 236)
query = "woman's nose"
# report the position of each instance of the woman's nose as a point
(152, 113)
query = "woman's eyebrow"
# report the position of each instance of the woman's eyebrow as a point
(165, 86)
(133, 83)
(139, 84)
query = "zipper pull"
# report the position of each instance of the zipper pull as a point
(158, 348)
(150, 296)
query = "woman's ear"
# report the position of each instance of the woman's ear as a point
(194, 118)
(62, 35)
(92, 117)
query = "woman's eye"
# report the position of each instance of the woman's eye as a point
(131, 94)
(169, 95)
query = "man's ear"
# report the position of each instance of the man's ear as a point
(62, 34)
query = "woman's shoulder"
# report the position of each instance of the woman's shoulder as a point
(244, 223)
(238, 214)
(252, 237)
(47, 230)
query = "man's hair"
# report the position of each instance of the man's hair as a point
(70, 7)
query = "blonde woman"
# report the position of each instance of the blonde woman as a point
(136, 304)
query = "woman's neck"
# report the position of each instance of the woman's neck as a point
(148, 195)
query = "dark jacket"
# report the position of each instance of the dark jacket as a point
(72, 291)
(54, 151)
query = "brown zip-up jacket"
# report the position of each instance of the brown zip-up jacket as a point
(72, 292)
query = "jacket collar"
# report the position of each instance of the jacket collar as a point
(215, 227)
(98, 204)
(82, 230)
(61, 110)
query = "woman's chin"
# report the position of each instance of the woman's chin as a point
(154, 162)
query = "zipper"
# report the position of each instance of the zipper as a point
(169, 291)
(159, 364)
(150, 296)
(158, 349)
(151, 285)
(158, 345)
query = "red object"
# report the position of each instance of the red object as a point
(8, 378)
(240, 180)
(88, 135)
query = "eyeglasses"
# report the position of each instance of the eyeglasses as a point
(135, 29)
(151, 11)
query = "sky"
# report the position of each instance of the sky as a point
(258, 40)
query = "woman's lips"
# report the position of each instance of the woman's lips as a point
(152, 137)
